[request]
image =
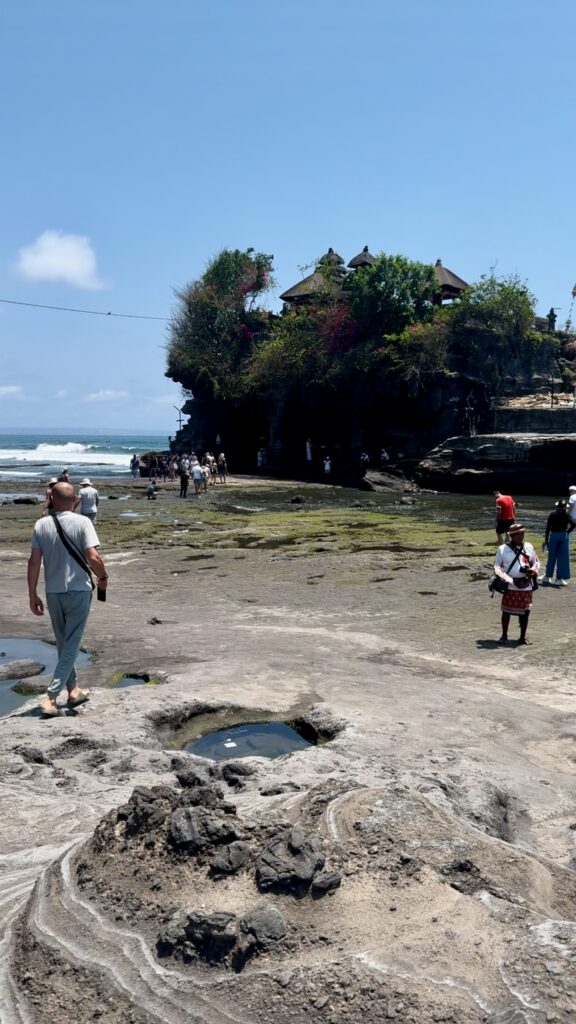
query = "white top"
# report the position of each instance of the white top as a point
(88, 499)
(571, 509)
(505, 557)
(61, 571)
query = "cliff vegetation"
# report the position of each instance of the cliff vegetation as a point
(373, 359)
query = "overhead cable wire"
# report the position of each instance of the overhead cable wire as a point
(90, 312)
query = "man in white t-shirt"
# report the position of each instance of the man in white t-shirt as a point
(68, 588)
(88, 499)
(197, 476)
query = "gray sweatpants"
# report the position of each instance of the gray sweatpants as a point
(69, 614)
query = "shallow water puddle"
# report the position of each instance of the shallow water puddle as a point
(261, 739)
(20, 649)
(131, 680)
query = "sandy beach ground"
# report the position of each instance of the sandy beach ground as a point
(446, 801)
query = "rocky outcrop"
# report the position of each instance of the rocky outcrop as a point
(533, 463)
(21, 669)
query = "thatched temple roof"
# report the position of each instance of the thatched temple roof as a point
(325, 280)
(330, 272)
(450, 284)
(363, 259)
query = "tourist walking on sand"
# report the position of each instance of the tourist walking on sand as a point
(48, 494)
(557, 543)
(88, 499)
(222, 468)
(505, 514)
(197, 476)
(327, 466)
(184, 472)
(68, 588)
(517, 563)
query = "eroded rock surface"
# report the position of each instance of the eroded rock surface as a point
(444, 809)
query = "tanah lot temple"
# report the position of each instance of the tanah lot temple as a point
(532, 443)
(330, 273)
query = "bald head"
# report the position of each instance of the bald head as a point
(63, 497)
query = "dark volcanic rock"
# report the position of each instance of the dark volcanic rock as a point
(21, 669)
(202, 796)
(191, 775)
(289, 862)
(193, 829)
(528, 462)
(146, 809)
(261, 929)
(218, 935)
(172, 934)
(323, 884)
(231, 858)
(29, 499)
(212, 935)
(234, 773)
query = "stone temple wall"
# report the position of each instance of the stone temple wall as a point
(534, 421)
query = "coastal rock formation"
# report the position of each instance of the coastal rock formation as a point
(20, 669)
(530, 463)
(442, 806)
(130, 927)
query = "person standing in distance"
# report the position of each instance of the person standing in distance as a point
(68, 589)
(505, 514)
(517, 563)
(88, 499)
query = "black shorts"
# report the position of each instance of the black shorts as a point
(503, 525)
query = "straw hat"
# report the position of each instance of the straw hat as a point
(84, 481)
(516, 528)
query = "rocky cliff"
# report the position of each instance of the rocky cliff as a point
(532, 463)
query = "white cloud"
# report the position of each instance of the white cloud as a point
(11, 391)
(106, 395)
(56, 256)
(63, 393)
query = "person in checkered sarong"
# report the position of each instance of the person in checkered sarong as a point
(517, 563)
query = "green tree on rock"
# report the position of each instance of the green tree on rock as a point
(217, 322)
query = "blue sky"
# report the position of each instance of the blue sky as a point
(140, 138)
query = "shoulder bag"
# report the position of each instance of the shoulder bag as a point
(499, 586)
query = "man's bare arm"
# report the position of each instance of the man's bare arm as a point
(97, 565)
(34, 563)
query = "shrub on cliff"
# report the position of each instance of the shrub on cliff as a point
(216, 322)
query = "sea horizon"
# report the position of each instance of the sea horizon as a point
(33, 456)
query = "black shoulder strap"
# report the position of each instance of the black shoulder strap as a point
(518, 553)
(72, 549)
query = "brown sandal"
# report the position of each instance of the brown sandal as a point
(82, 698)
(53, 712)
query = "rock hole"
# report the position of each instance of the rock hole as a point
(233, 732)
(252, 739)
(133, 679)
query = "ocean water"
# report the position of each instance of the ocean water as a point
(34, 458)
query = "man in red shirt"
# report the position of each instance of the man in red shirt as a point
(505, 515)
